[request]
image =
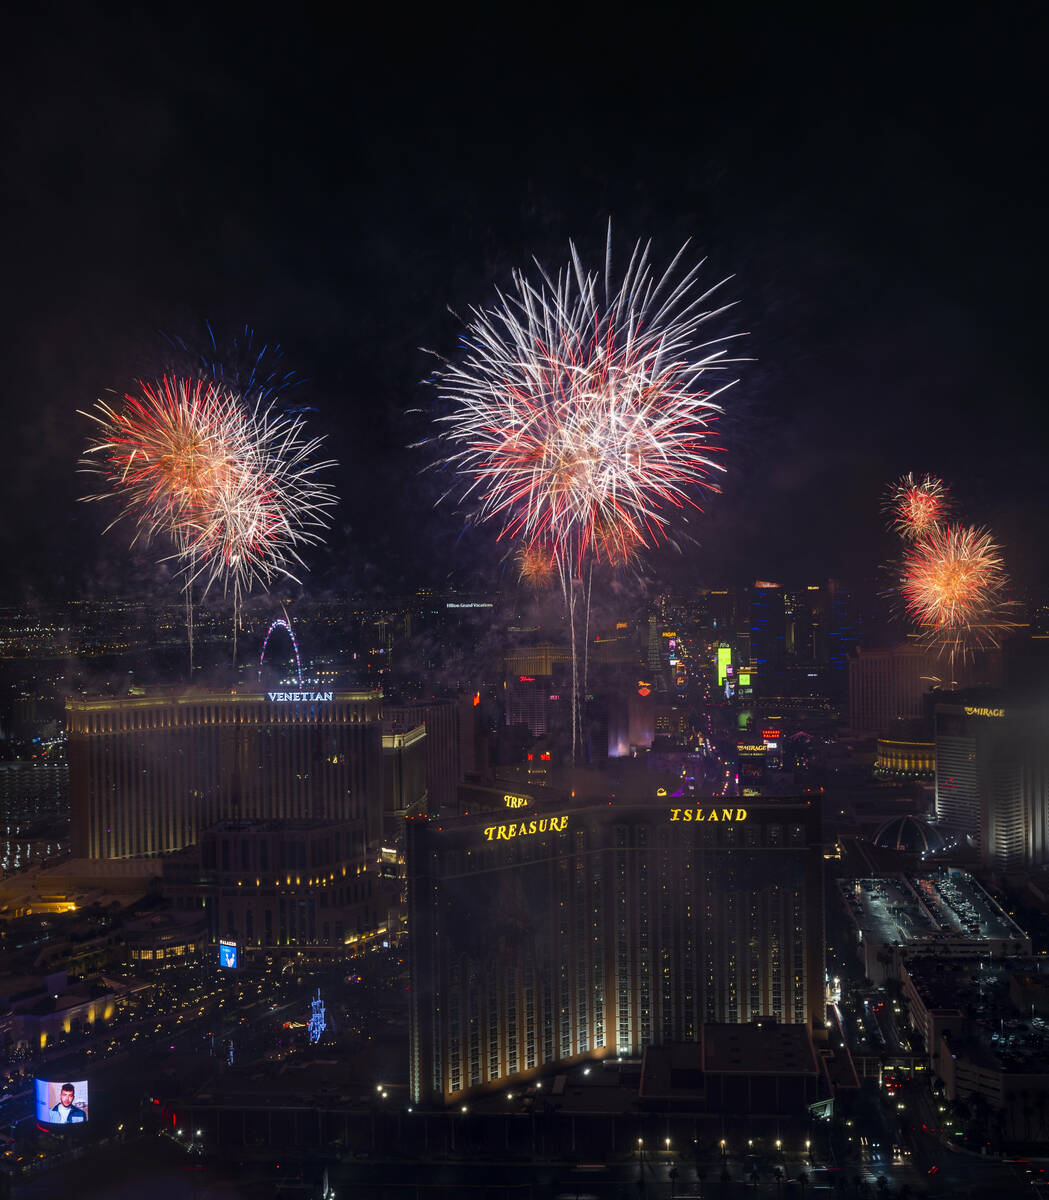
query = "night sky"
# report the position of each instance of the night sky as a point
(878, 191)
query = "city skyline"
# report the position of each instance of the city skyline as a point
(550, 695)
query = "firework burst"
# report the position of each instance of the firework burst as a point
(914, 506)
(271, 506)
(242, 363)
(582, 413)
(234, 488)
(535, 565)
(166, 453)
(953, 586)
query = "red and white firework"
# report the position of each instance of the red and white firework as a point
(914, 506)
(234, 488)
(583, 414)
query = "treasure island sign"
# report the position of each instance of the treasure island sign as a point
(515, 829)
(708, 814)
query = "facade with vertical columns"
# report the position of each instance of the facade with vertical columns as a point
(553, 934)
(148, 774)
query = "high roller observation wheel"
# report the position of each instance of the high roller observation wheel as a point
(280, 622)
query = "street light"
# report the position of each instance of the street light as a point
(666, 1142)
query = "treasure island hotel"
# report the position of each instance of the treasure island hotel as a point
(544, 934)
(148, 774)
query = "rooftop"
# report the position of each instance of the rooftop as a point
(927, 908)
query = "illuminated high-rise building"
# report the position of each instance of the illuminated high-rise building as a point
(148, 774)
(768, 621)
(886, 685)
(806, 625)
(449, 744)
(992, 779)
(544, 935)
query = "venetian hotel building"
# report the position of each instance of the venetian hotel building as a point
(550, 934)
(148, 774)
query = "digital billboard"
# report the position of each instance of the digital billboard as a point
(228, 954)
(724, 658)
(61, 1102)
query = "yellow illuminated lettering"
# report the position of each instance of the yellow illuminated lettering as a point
(504, 833)
(707, 815)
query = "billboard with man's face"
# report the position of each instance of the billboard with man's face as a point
(61, 1101)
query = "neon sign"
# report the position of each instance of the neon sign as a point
(280, 623)
(504, 833)
(515, 801)
(708, 815)
(984, 712)
(299, 697)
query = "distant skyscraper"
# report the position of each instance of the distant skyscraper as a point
(885, 685)
(992, 779)
(403, 775)
(449, 741)
(34, 811)
(148, 774)
(768, 633)
(807, 625)
(546, 934)
(843, 633)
